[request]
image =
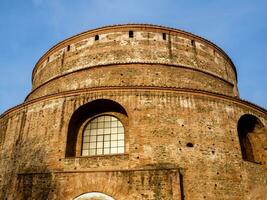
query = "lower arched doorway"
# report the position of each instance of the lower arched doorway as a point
(94, 196)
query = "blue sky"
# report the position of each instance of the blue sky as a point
(29, 28)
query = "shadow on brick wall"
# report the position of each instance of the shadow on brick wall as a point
(26, 175)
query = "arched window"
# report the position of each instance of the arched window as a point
(97, 128)
(250, 131)
(103, 135)
(93, 196)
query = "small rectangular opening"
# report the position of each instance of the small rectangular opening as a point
(131, 35)
(193, 43)
(68, 48)
(164, 36)
(96, 37)
(48, 59)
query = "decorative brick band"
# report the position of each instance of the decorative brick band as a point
(123, 89)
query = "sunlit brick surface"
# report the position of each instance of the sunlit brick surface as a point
(167, 127)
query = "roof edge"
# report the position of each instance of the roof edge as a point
(67, 40)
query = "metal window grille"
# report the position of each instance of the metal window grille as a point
(103, 135)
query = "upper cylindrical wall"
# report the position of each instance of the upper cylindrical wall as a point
(109, 56)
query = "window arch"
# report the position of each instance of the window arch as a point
(103, 135)
(84, 115)
(93, 196)
(249, 129)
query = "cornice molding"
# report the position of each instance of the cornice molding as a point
(134, 89)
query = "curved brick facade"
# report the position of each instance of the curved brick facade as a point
(181, 114)
(198, 61)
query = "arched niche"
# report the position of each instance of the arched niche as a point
(94, 196)
(252, 136)
(85, 112)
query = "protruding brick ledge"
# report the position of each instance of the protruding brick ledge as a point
(125, 89)
(101, 171)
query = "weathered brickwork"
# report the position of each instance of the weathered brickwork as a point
(147, 46)
(182, 122)
(135, 75)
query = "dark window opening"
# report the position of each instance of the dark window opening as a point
(164, 36)
(48, 59)
(96, 37)
(131, 34)
(248, 126)
(193, 43)
(68, 47)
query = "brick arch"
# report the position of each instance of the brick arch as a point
(249, 129)
(82, 114)
(93, 196)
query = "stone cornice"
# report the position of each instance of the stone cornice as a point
(124, 89)
(100, 171)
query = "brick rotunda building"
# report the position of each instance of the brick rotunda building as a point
(133, 112)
